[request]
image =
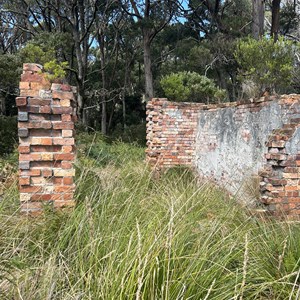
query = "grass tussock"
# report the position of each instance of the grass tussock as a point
(135, 237)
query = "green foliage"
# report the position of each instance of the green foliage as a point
(35, 54)
(45, 50)
(191, 87)
(10, 70)
(267, 64)
(134, 237)
(95, 146)
(57, 71)
(8, 134)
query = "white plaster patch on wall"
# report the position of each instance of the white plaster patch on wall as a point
(238, 146)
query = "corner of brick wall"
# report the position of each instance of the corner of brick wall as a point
(280, 177)
(171, 130)
(46, 115)
(171, 141)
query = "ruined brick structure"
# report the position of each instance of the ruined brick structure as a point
(46, 117)
(232, 142)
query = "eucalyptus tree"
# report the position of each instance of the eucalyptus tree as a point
(152, 16)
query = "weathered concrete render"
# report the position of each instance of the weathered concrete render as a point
(230, 143)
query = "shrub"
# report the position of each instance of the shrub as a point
(269, 65)
(8, 134)
(191, 87)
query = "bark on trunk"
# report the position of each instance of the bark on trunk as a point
(258, 16)
(149, 92)
(275, 19)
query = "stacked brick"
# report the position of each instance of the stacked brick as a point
(171, 129)
(176, 136)
(280, 178)
(46, 116)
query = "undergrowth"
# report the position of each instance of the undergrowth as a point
(132, 236)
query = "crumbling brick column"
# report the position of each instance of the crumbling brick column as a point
(46, 116)
(280, 177)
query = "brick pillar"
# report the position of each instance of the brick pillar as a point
(46, 118)
(280, 177)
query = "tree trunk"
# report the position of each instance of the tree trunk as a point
(103, 97)
(149, 92)
(2, 106)
(275, 19)
(258, 16)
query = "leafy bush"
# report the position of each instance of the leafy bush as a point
(57, 71)
(46, 56)
(8, 134)
(269, 65)
(190, 87)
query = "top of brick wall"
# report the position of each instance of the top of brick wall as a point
(34, 83)
(285, 99)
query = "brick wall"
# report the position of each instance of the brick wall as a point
(230, 143)
(171, 129)
(46, 116)
(280, 176)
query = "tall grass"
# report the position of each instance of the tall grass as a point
(132, 236)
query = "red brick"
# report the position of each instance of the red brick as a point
(24, 181)
(63, 189)
(65, 103)
(66, 165)
(67, 149)
(32, 68)
(57, 197)
(44, 141)
(47, 172)
(43, 85)
(29, 157)
(63, 125)
(57, 164)
(63, 95)
(63, 141)
(68, 180)
(68, 196)
(45, 109)
(57, 180)
(64, 173)
(61, 110)
(39, 148)
(39, 117)
(24, 149)
(35, 124)
(30, 189)
(29, 77)
(21, 101)
(67, 133)
(64, 156)
(39, 101)
(66, 88)
(31, 172)
(66, 118)
(24, 85)
(41, 164)
(29, 93)
(41, 197)
(38, 180)
(44, 133)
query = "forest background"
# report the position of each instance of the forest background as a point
(121, 53)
